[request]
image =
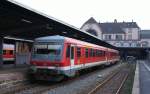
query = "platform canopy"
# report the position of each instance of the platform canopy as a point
(19, 21)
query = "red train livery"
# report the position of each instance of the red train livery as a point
(8, 52)
(54, 57)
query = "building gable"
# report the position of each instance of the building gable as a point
(92, 27)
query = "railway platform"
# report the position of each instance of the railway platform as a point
(142, 78)
(16, 73)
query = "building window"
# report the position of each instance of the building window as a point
(93, 32)
(133, 44)
(126, 44)
(118, 37)
(129, 37)
(138, 45)
(108, 37)
(144, 44)
(130, 30)
(118, 44)
(122, 44)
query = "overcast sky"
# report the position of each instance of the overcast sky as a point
(76, 12)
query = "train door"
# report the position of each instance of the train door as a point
(72, 56)
(72, 61)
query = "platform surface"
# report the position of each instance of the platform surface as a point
(144, 76)
(13, 73)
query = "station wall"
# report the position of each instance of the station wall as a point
(23, 53)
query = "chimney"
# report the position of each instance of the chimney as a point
(115, 20)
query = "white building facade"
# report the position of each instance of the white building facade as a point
(120, 34)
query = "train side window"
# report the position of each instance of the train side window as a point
(72, 52)
(96, 53)
(103, 53)
(78, 52)
(99, 53)
(68, 51)
(93, 52)
(4, 52)
(86, 52)
(7, 51)
(90, 52)
(11, 52)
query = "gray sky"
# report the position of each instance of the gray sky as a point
(76, 12)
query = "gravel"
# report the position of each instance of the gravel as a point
(83, 84)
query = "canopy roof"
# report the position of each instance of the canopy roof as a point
(19, 21)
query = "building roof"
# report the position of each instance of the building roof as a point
(116, 27)
(145, 34)
(128, 24)
(90, 21)
(111, 28)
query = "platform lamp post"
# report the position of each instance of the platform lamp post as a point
(1, 51)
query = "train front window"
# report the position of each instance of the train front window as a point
(50, 51)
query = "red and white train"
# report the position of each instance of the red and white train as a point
(8, 52)
(55, 57)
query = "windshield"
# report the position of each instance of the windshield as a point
(49, 51)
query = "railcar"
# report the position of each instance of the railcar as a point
(56, 57)
(8, 52)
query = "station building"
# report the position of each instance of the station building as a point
(127, 36)
(120, 34)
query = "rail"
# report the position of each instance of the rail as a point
(104, 86)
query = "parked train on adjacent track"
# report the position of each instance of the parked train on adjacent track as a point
(56, 57)
(8, 52)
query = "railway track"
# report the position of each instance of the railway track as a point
(112, 84)
(29, 88)
(12, 88)
(39, 88)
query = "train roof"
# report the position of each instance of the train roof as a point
(56, 37)
(70, 40)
